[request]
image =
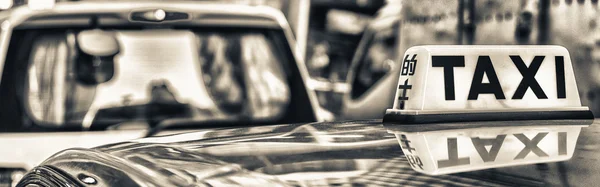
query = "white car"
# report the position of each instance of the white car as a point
(83, 74)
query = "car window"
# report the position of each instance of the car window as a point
(378, 59)
(156, 74)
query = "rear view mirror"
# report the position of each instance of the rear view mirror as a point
(97, 50)
(98, 43)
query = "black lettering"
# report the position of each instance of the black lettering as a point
(484, 66)
(419, 162)
(528, 80)
(406, 143)
(562, 143)
(531, 145)
(414, 161)
(403, 98)
(480, 144)
(448, 63)
(561, 91)
(453, 159)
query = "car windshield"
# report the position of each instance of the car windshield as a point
(102, 77)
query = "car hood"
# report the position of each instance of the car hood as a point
(326, 153)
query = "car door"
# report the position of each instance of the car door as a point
(373, 72)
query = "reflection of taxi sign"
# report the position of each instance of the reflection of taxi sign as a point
(497, 144)
(465, 108)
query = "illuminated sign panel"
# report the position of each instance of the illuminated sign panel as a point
(443, 78)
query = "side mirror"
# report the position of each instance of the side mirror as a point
(97, 50)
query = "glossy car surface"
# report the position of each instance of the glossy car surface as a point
(357, 153)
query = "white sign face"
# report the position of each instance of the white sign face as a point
(453, 151)
(442, 79)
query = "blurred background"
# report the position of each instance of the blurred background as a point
(239, 64)
(385, 29)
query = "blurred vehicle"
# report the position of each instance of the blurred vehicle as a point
(87, 73)
(335, 28)
(373, 69)
(405, 23)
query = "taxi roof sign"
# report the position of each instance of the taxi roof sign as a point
(453, 83)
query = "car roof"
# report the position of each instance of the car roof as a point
(217, 10)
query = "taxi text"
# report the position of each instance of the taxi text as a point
(484, 67)
(531, 147)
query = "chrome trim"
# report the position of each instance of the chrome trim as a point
(47, 176)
